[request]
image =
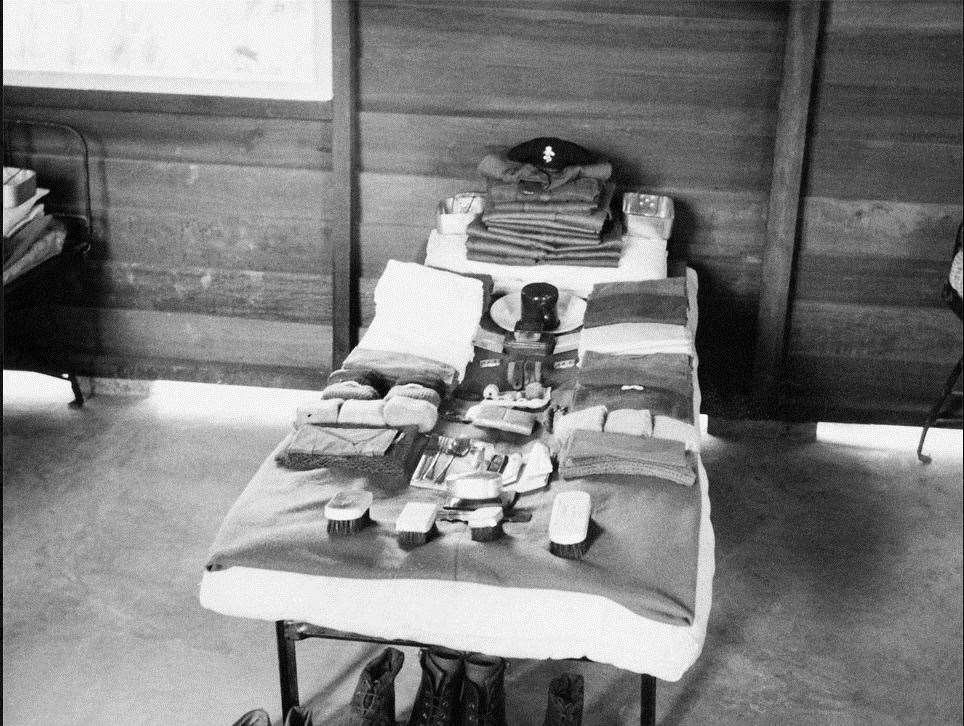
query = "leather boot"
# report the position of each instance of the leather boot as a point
(300, 716)
(373, 703)
(257, 717)
(483, 691)
(565, 701)
(437, 700)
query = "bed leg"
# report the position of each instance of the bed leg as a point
(287, 668)
(75, 388)
(647, 700)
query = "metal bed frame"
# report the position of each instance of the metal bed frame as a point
(289, 632)
(76, 252)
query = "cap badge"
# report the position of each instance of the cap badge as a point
(548, 154)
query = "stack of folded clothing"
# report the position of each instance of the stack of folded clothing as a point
(636, 375)
(547, 203)
(363, 450)
(593, 453)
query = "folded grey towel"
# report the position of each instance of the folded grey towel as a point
(593, 453)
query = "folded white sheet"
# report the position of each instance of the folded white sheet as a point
(643, 258)
(424, 312)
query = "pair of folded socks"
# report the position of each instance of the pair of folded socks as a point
(398, 411)
(636, 397)
(595, 453)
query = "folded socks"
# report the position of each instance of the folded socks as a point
(350, 390)
(415, 390)
(588, 419)
(402, 411)
(362, 413)
(633, 422)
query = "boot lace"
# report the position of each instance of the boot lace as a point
(435, 710)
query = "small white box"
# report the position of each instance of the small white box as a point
(647, 214)
(19, 185)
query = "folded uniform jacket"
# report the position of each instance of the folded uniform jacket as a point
(362, 450)
(499, 167)
(594, 453)
(556, 220)
(583, 189)
(639, 398)
(648, 301)
(670, 371)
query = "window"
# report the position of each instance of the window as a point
(247, 48)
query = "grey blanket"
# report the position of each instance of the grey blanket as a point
(643, 551)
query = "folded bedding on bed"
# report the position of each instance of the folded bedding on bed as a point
(591, 453)
(643, 552)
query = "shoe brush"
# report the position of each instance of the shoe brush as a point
(569, 524)
(347, 511)
(485, 524)
(416, 524)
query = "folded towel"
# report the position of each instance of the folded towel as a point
(402, 411)
(362, 451)
(403, 295)
(667, 427)
(350, 390)
(594, 453)
(637, 339)
(589, 419)
(362, 413)
(325, 412)
(633, 422)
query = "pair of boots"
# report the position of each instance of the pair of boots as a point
(459, 690)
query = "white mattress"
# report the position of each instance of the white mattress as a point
(508, 622)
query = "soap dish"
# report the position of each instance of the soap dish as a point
(455, 214)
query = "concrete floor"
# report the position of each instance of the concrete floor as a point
(838, 595)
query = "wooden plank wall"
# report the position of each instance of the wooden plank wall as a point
(212, 254)
(870, 338)
(210, 258)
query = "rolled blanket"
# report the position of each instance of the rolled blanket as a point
(594, 453)
(633, 422)
(402, 411)
(415, 390)
(589, 419)
(350, 390)
(325, 412)
(362, 413)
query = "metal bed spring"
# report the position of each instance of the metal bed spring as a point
(288, 633)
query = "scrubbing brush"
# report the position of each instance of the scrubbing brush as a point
(485, 524)
(416, 524)
(347, 511)
(569, 524)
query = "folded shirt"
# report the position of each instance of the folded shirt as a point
(594, 453)
(648, 301)
(553, 219)
(583, 189)
(547, 206)
(671, 371)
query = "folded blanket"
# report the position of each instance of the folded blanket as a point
(593, 453)
(671, 371)
(362, 450)
(640, 259)
(403, 368)
(639, 398)
(404, 293)
(633, 422)
(649, 301)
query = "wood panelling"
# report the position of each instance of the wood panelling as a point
(870, 338)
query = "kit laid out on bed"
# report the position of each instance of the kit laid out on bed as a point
(537, 456)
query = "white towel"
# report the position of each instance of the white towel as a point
(667, 427)
(424, 312)
(643, 258)
(637, 339)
